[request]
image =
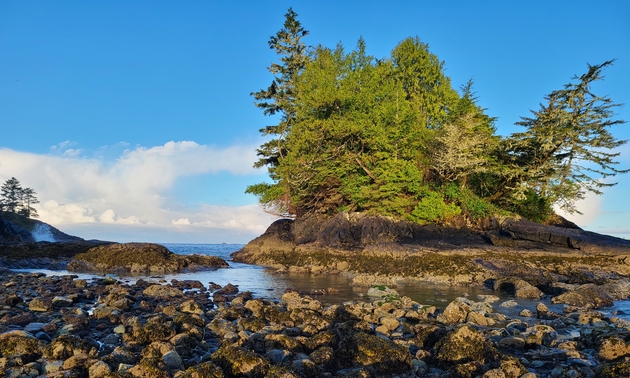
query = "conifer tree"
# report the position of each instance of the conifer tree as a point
(11, 192)
(279, 99)
(27, 200)
(18, 200)
(567, 149)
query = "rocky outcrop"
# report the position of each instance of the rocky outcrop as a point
(525, 259)
(517, 256)
(140, 258)
(12, 233)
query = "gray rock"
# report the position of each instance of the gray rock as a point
(58, 302)
(34, 327)
(173, 360)
(277, 356)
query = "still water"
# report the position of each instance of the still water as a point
(263, 282)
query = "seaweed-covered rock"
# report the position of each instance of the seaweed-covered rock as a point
(140, 257)
(40, 305)
(463, 345)
(379, 355)
(162, 291)
(203, 370)
(587, 296)
(240, 362)
(20, 344)
(613, 348)
(66, 346)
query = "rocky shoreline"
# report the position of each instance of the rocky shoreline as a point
(69, 327)
(377, 250)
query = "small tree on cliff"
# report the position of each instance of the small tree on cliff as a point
(27, 200)
(11, 192)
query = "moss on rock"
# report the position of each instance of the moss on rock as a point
(140, 257)
(20, 344)
(240, 362)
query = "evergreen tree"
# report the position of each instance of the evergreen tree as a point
(279, 99)
(11, 192)
(567, 149)
(18, 200)
(27, 200)
(392, 137)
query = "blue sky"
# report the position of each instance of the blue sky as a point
(133, 120)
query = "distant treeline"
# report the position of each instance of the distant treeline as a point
(17, 200)
(392, 136)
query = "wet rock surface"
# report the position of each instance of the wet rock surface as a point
(65, 327)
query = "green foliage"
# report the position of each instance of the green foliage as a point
(533, 207)
(279, 99)
(432, 208)
(391, 136)
(473, 206)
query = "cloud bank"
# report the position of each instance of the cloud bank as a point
(130, 195)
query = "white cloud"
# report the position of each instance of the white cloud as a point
(56, 214)
(590, 207)
(110, 217)
(134, 189)
(72, 153)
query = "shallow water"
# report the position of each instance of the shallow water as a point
(264, 282)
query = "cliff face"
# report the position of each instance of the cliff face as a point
(12, 233)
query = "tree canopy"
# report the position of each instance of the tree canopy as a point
(391, 136)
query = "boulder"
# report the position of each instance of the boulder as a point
(161, 291)
(587, 296)
(381, 356)
(463, 345)
(520, 288)
(20, 344)
(240, 362)
(613, 348)
(455, 312)
(40, 305)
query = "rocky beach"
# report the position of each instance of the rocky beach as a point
(61, 326)
(66, 326)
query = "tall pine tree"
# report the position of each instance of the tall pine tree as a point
(11, 193)
(279, 99)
